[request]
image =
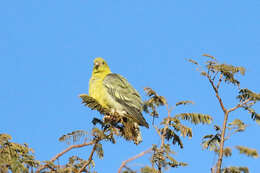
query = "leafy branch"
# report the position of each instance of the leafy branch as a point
(216, 73)
(170, 130)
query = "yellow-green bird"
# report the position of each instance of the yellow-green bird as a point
(114, 92)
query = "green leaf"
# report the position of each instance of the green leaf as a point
(211, 142)
(170, 134)
(93, 104)
(150, 106)
(193, 61)
(217, 128)
(100, 151)
(227, 152)
(73, 136)
(209, 56)
(247, 151)
(245, 94)
(148, 169)
(184, 102)
(195, 118)
(238, 125)
(233, 169)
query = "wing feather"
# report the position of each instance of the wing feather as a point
(123, 93)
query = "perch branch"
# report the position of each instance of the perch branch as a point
(90, 157)
(217, 93)
(63, 152)
(133, 158)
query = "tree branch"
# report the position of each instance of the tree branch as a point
(220, 80)
(221, 148)
(161, 135)
(226, 112)
(239, 105)
(70, 148)
(90, 157)
(166, 126)
(63, 152)
(133, 158)
(216, 92)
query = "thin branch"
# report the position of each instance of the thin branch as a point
(220, 80)
(239, 105)
(221, 148)
(217, 94)
(70, 148)
(218, 167)
(90, 157)
(166, 126)
(133, 158)
(230, 133)
(161, 135)
(220, 158)
(215, 76)
(63, 152)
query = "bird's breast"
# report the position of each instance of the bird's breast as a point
(98, 91)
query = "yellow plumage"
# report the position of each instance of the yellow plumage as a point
(113, 91)
(96, 87)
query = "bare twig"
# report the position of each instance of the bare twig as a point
(215, 76)
(220, 80)
(90, 157)
(63, 152)
(133, 158)
(70, 148)
(239, 105)
(216, 92)
(161, 135)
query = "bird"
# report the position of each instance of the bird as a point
(114, 92)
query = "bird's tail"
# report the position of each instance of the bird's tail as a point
(136, 115)
(138, 138)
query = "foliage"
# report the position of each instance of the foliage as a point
(212, 141)
(15, 157)
(247, 151)
(148, 169)
(237, 125)
(153, 102)
(216, 73)
(171, 130)
(185, 102)
(233, 169)
(112, 122)
(73, 136)
(162, 157)
(195, 118)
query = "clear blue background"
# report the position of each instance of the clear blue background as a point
(47, 48)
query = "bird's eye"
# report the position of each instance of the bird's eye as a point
(103, 62)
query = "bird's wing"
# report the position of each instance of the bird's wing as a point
(123, 93)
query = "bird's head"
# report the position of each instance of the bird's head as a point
(100, 66)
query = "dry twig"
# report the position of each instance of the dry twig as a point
(133, 158)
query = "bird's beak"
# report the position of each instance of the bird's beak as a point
(96, 65)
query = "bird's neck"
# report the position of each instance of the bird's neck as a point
(100, 74)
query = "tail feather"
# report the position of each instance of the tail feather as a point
(136, 115)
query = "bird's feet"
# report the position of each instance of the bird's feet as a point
(110, 118)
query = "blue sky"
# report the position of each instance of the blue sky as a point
(47, 48)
